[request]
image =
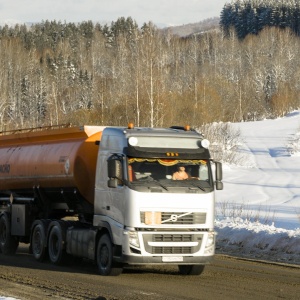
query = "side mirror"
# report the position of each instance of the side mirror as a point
(219, 172)
(114, 172)
(112, 183)
(219, 176)
(114, 168)
(219, 185)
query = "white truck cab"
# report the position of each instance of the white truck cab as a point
(151, 217)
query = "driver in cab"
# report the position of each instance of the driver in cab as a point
(180, 174)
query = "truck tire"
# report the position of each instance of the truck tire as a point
(105, 262)
(8, 243)
(56, 241)
(39, 241)
(191, 269)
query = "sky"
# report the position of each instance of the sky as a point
(258, 211)
(160, 12)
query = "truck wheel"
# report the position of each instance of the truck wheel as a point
(39, 242)
(55, 245)
(191, 269)
(8, 243)
(105, 262)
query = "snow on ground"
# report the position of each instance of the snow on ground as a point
(258, 211)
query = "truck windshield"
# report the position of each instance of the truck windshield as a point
(171, 171)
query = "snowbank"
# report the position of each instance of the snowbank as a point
(258, 241)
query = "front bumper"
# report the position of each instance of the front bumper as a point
(186, 260)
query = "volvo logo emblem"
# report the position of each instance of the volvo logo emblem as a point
(174, 218)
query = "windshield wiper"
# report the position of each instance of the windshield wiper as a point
(198, 186)
(150, 179)
(163, 186)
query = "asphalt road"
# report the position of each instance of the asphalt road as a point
(226, 278)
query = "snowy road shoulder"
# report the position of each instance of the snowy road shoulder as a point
(258, 241)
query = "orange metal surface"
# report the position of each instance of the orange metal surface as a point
(51, 158)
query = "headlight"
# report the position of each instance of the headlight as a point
(205, 143)
(133, 141)
(133, 239)
(210, 240)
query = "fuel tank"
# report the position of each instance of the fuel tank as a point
(50, 158)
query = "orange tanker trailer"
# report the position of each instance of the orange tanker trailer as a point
(45, 173)
(51, 160)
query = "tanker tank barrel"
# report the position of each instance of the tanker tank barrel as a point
(55, 158)
(34, 129)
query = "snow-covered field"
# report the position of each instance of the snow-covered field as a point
(258, 212)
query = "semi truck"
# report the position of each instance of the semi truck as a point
(108, 195)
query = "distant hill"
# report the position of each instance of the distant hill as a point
(194, 28)
(182, 30)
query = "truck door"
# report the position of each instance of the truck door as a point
(116, 189)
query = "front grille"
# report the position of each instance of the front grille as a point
(175, 218)
(172, 238)
(165, 243)
(171, 250)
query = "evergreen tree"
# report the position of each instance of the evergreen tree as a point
(252, 16)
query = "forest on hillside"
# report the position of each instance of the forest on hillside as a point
(55, 73)
(251, 16)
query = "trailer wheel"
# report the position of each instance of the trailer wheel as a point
(55, 245)
(105, 262)
(39, 242)
(8, 243)
(191, 269)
